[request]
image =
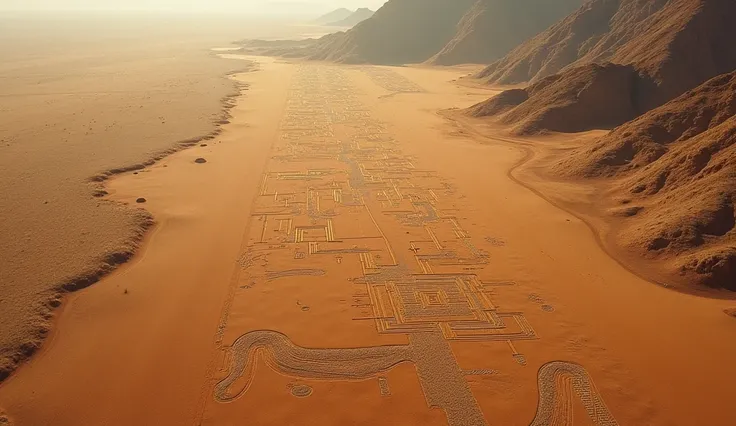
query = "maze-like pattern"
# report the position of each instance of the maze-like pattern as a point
(443, 383)
(459, 305)
(391, 80)
(338, 186)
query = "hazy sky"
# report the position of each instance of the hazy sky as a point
(247, 6)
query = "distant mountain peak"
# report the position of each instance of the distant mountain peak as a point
(334, 16)
(354, 18)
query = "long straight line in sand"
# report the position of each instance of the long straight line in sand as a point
(218, 336)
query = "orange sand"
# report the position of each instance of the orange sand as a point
(151, 344)
(80, 96)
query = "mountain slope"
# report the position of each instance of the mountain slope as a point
(671, 46)
(491, 28)
(677, 43)
(334, 16)
(590, 96)
(644, 140)
(354, 19)
(676, 166)
(402, 31)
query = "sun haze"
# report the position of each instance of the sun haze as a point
(258, 7)
(367, 212)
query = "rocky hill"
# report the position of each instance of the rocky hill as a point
(675, 168)
(671, 46)
(402, 31)
(583, 98)
(439, 31)
(679, 43)
(491, 28)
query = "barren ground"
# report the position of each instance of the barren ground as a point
(79, 96)
(347, 255)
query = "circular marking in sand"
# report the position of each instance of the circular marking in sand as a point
(548, 308)
(301, 391)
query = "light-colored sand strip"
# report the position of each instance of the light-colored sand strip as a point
(201, 286)
(153, 321)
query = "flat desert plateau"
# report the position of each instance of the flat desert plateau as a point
(335, 246)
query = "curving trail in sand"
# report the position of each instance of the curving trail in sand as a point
(324, 364)
(558, 382)
(385, 266)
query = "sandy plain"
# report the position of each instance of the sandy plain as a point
(347, 255)
(81, 96)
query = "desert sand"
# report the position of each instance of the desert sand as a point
(352, 253)
(664, 182)
(75, 108)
